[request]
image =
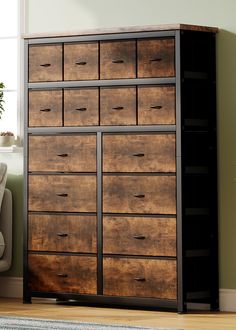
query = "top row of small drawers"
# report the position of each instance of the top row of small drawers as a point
(102, 60)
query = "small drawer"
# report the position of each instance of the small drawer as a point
(81, 107)
(156, 58)
(62, 153)
(45, 63)
(45, 108)
(64, 274)
(62, 233)
(117, 59)
(81, 61)
(139, 236)
(140, 278)
(156, 105)
(139, 153)
(62, 193)
(139, 194)
(118, 106)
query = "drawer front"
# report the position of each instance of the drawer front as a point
(81, 61)
(139, 153)
(117, 59)
(45, 108)
(62, 193)
(156, 58)
(139, 236)
(81, 107)
(139, 194)
(54, 273)
(62, 153)
(156, 105)
(140, 278)
(62, 233)
(118, 106)
(45, 63)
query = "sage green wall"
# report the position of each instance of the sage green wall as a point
(66, 15)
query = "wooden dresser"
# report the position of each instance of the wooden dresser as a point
(120, 167)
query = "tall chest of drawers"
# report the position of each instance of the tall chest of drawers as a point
(120, 167)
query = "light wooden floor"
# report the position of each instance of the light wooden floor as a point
(49, 309)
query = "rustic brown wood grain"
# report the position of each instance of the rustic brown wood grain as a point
(55, 273)
(156, 105)
(72, 153)
(81, 61)
(140, 278)
(81, 107)
(45, 62)
(118, 106)
(117, 59)
(139, 194)
(156, 58)
(62, 233)
(45, 108)
(139, 236)
(62, 193)
(139, 153)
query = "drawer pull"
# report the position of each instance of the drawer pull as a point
(139, 195)
(62, 195)
(81, 109)
(45, 110)
(62, 155)
(139, 155)
(117, 61)
(117, 108)
(46, 65)
(62, 234)
(80, 63)
(156, 107)
(140, 279)
(139, 237)
(62, 275)
(158, 59)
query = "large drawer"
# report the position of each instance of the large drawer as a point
(62, 193)
(62, 233)
(81, 61)
(139, 236)
(45, 108)
(139, 153)
(56, 273)
(45, 62)
(156, 105)
(140, 278)
(118, 106)
(156, 58)
(81, 107)
(117, 59)
(63, 153)
(139, 194)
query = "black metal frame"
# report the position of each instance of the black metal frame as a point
(181, 303)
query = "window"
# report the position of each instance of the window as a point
(9, 64)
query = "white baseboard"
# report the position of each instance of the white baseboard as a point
(11, 287)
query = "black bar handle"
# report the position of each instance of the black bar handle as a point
(80, 63)
(158, 59)
(117, 61)
(45, 65)
(140, 279)
(62, 234)
(139, 195)
(45, 110)
(62, 275)
(139, 155)
(62, 195)
(81, 109)
(62, 155)
(156, 107)
(117, 108)
(139, 236)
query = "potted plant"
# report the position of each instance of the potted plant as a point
(6, 138)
